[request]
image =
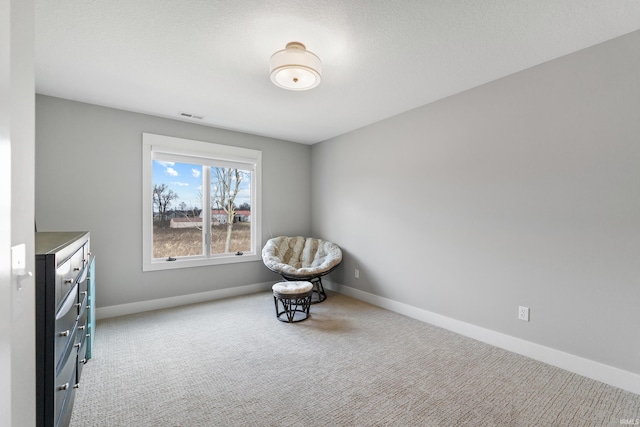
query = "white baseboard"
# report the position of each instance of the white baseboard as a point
(157, 304)
(588, 368)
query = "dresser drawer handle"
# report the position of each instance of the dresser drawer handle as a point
(77, 345)
(63, 387)
(77, 268)
(81, 327)
(83, 293)
(68, 280)
(83, 361)
(77, 385)
(65, 333)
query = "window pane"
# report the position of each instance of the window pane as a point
(177, 208)
(230, 210)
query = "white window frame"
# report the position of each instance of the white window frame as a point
(206, 152)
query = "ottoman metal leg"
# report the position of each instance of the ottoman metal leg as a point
(295, 308)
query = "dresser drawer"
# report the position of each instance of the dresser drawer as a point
(83, 322)
(83, 299)
(65, 281)
(68, 273)
(83, 287)
(66, 318)
(65, 389)
(78, 260)
(82, 356)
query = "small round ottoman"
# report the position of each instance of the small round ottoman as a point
(292, 299)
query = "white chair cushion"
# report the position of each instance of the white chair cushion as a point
(300, 256)
(292, 287)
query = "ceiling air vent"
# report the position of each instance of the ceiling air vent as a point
(191, 116)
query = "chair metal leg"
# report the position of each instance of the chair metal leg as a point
(319, 294)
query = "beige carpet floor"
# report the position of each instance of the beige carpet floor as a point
(231, 363)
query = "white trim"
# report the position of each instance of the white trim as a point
(190, 147)
(588, 368)
(158, 304)
(188, 262)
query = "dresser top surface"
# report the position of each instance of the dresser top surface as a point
(50, 242)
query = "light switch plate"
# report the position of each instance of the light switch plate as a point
(18, 260)
(18, 273)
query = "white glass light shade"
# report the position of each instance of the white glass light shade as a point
(295, 68)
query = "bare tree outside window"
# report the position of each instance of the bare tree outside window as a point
(162, 198)
(225, 186)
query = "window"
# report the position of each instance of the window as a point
(201, 203)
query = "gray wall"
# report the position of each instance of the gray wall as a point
(17, 321)
(524, 191)
(88, 177)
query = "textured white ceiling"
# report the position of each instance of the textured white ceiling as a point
(379, 57)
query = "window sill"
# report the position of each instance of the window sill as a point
(199, 262)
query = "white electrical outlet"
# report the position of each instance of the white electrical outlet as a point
(357, 274)
(523, 313)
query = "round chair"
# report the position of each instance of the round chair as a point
(302, 259)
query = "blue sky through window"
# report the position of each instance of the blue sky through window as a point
(185, 179)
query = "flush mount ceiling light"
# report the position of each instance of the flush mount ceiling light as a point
(295, 68)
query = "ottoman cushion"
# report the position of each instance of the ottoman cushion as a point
(292, 288)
